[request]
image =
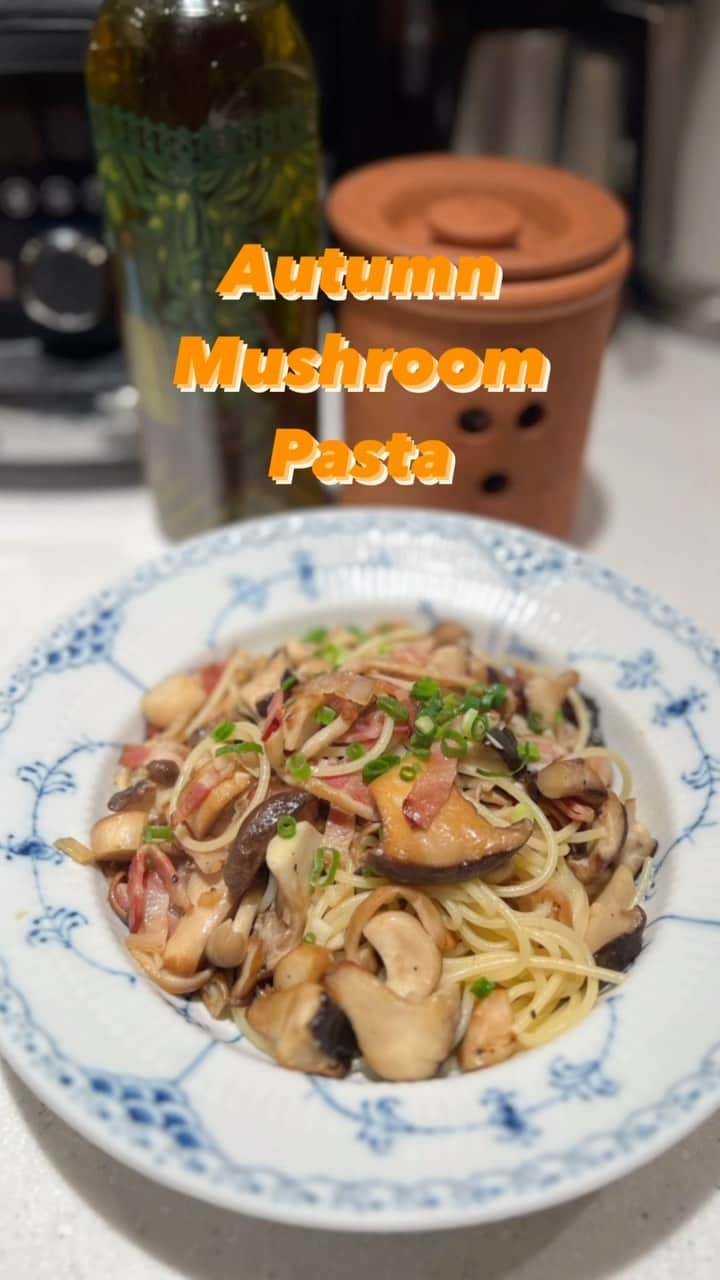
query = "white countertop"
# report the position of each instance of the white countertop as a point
(67, 1212)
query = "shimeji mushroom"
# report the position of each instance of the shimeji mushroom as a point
(570, 777)
(615, 927)
(604, 852)
(305, 1029)
(172, 700)
(398, 1038)
(457, 845)
(489, 1037)
(119, 836)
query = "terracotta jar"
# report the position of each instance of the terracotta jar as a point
(562, 244)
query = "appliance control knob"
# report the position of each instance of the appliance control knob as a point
(64, 281)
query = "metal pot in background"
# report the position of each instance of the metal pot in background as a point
(678, 240)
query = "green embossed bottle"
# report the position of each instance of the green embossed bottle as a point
(205, 122)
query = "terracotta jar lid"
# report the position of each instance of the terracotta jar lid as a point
(539, 222)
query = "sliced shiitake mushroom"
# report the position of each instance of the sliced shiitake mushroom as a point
(457, 845)
(249, 847)
(604, 852)
(615, 927)
(399, 1039)
(489, 1037)
(305, 1029)
(570, 776)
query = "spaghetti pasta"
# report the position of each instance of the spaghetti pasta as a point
(488, 839)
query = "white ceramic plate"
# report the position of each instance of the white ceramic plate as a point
(191, 1105)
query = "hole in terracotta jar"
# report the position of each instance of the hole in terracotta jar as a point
(495, 482)
(531, 415)
(475, 420)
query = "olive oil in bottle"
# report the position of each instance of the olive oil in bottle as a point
(204, 116)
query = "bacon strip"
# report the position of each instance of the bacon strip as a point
(210, 675)
(339, 829)
(431, 789)
(274, 715)
(197, 791)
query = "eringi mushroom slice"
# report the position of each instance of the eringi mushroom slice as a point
(248, 850)
(489, 1037)
(305, 1029)
(399, 1039)
(306, 963)
(119, 836)
(210, 904)
(457, 845)
(412, 962)
(615, 927)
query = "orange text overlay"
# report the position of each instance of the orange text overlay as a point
(370, 462)
(230, 364)
(336, 276)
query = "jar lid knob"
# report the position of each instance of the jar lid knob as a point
(474, 219)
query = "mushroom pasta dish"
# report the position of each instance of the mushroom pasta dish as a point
(377, 847)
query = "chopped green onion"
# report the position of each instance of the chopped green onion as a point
(494, 696)
(355, 750)
(240, 748)
(298, 766)
(223, 731)
(158, 833)
(409, 772)
(286, 827)
(288, 683)
(331, 653)
(529, 752)
(520, 811)
(425, 725)
(468, 721)
(325, 715)
(425, 688)
(319, 877)
(482, 988)
(310, 939)
(376, 768)
(316, 636)
(392, 707)
(422, 752)
(359, 634)
(453, 744)
(535, 722)
(479, 728)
